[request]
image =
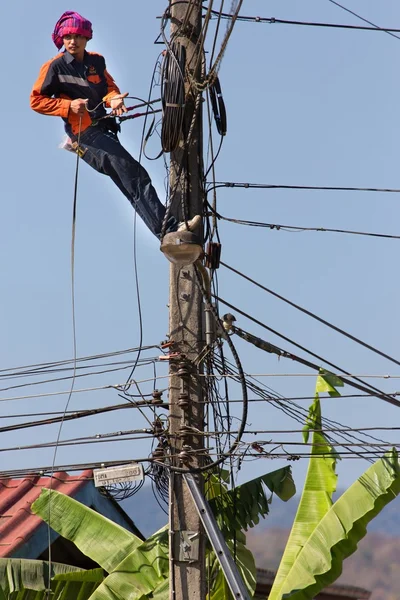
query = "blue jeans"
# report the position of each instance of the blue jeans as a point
(105, 154)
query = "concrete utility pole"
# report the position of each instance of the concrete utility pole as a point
(187, 538)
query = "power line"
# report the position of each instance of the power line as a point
(34, 368)
(308, 398)
(289, 408)
(138, 434)
(299, 229)
(316, 430)
(314, 316)
(73, 467)
(75, 415)
(118, 387)
(274, 20)
(388, 31)
(274, 349)
(268, 186)
(42, 470)
(143, 362)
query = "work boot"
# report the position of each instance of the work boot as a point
(190, 224)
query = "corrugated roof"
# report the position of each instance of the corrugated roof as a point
(17, 522)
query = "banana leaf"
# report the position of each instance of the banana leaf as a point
(101, 539)
(245, 564)
(319, 485)
(135, 568)
(336, 537)
(242, 507)
(142, 572)
(323, 533)
(162, 591)
(23, 579)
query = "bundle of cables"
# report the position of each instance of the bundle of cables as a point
(218, 107)
(173, 96)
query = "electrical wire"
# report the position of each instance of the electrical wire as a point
(324, 188)
(214, 68)
(299, 229)
(289, 408)
(76, 415)
(275, 350)
(361, 385)
(143, 363)
(95, 439)
(273, 20)
(314, 316)
(127, 363)
(74, 345)
(41, 470)
(73, 467)
(39, 368)
(363, 19)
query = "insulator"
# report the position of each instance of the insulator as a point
(157, 397)
(158, 453)
(184, 400)
(183, 369)
(184, 454)
(185, 432)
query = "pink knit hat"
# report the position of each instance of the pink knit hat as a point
(71, 22)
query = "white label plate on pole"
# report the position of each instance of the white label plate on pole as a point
(112, 475)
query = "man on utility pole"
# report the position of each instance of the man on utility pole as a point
(187, 539)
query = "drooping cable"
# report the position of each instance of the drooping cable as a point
(361, 385)
(274, 20)
(299, 229)
(324, 188)
(314, 316)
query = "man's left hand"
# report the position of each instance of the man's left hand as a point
(117, 104)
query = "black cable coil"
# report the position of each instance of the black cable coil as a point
(173, 96)
(218, 106)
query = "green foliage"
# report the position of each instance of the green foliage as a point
(139, 569)
(22, 579)
(244, 562)
(101, 539)
(135, 568)
(243, 506)
(337, 535)
(142, 572)
(323, 533)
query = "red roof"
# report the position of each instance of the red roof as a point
(17, 522)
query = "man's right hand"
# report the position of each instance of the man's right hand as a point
(78, 106)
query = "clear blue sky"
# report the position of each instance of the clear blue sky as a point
(306, 106)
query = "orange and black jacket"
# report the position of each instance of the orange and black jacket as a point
(63, 79)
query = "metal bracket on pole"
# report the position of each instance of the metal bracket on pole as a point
(218, 543)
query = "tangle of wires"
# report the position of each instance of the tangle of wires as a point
(299, 414)
(173, 96)
(157, 472)
(122, 491)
